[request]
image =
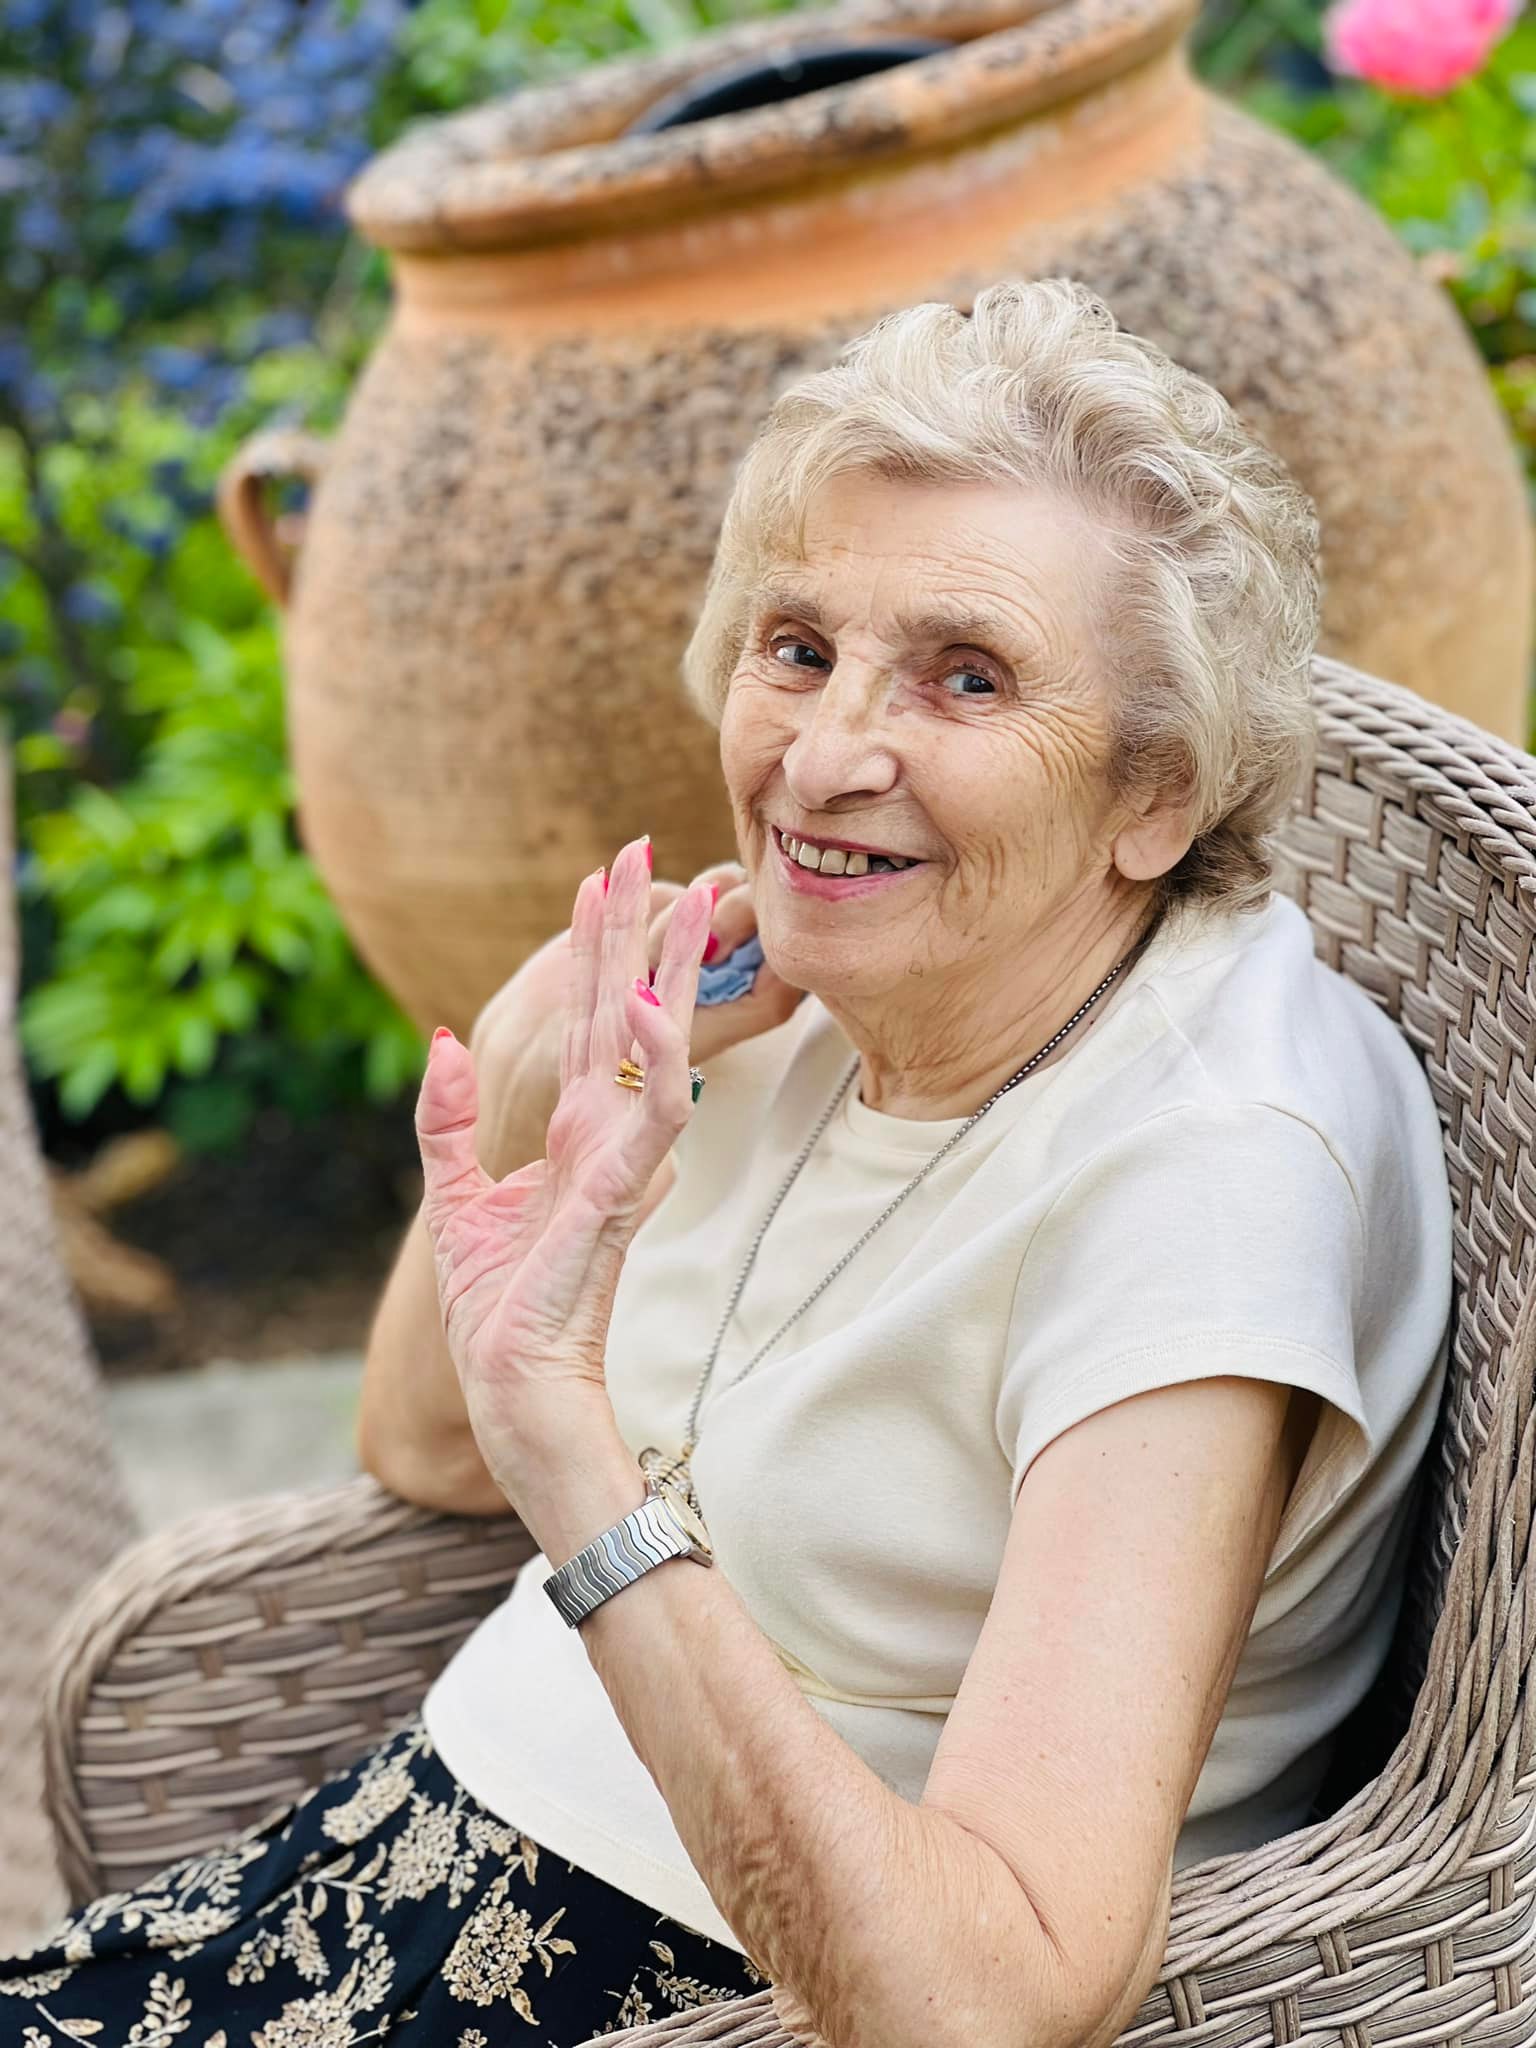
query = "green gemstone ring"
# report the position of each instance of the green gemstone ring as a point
(698, 1082)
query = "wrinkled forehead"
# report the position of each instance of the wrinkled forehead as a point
(930, 552)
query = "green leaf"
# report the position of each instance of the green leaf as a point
(280, 941)
(143, 1069)
(232, 1000)
(86, 1083)
(37, 752)
(195, 1042)
(127, 908)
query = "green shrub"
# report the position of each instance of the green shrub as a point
(196, 962)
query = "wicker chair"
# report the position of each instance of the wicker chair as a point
(63, 1512)
(224, 1666)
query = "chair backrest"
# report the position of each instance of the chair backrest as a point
(1414, 857)
(63, 1512)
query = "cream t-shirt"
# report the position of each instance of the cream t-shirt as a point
(1238, 1169)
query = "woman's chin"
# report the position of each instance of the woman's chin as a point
(826, 964)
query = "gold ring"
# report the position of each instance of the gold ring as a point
(630, 1076)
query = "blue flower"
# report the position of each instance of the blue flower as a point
(39, 226)
(90, 604)
(15, 363)
(178, 369)
(29, 106)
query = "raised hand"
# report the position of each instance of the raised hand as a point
(527, 1265)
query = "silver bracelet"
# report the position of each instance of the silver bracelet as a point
(662, 1527)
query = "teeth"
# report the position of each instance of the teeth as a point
(836, 860)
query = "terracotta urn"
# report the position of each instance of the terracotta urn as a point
(601, 284)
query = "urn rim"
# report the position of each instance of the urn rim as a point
(552, 162)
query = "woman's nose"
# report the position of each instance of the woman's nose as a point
(843, 747)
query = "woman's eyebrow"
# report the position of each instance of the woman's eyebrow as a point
(978, 628)
(764, 598)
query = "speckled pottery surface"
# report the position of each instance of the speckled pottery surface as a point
(510, 534)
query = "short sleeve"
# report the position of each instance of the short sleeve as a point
(1204, 1241)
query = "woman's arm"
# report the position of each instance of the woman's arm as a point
(413, 1430)
(1024, 1902)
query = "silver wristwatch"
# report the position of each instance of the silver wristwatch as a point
(663, 1526)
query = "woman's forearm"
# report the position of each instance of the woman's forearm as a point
(413, 1430)
(888, 1924)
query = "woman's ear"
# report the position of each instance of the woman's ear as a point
(1153, 841)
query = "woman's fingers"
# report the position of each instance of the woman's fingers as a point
(727, 877)
(667, 1098)
(677, 972)
(625, 917)
(446, 1109)
(734, 921)
(583, 969)
(664, 896)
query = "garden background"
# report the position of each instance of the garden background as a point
(216, 1078)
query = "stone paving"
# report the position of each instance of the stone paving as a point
(193, 1439)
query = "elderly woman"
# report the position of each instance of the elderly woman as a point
(1032, 1332)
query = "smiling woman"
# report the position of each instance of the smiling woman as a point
(1034, 1328)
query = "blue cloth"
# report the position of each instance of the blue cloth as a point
(722, 981)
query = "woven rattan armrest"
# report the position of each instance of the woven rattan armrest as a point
(228, 1663)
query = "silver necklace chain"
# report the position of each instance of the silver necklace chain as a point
(675, 1470)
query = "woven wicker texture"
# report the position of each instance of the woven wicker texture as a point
(220, 1665)
(62, 1513)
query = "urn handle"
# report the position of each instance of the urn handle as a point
(268, 544)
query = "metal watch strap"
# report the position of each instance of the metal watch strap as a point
(647, 1536)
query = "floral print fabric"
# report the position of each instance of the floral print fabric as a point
(386, 1904)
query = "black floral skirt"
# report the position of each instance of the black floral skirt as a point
(386, 1903)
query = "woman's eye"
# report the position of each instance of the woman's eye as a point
(969, 675)
(791, 647)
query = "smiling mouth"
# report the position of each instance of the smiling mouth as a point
(838, 860)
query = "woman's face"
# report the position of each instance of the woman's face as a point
(926, 684)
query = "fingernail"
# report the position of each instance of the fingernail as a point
(649, 993)
(604, 873)
(442, 1031)
(649, 868)
(711, 947)
(714, 897)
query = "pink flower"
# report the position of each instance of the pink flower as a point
(1415, 46)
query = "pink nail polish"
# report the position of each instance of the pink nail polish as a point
(711, 947)
(649, 864)
(714, 893)
(442, 1031)
(604, 873)
(649, 993)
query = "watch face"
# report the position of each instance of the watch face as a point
(692, 1524)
